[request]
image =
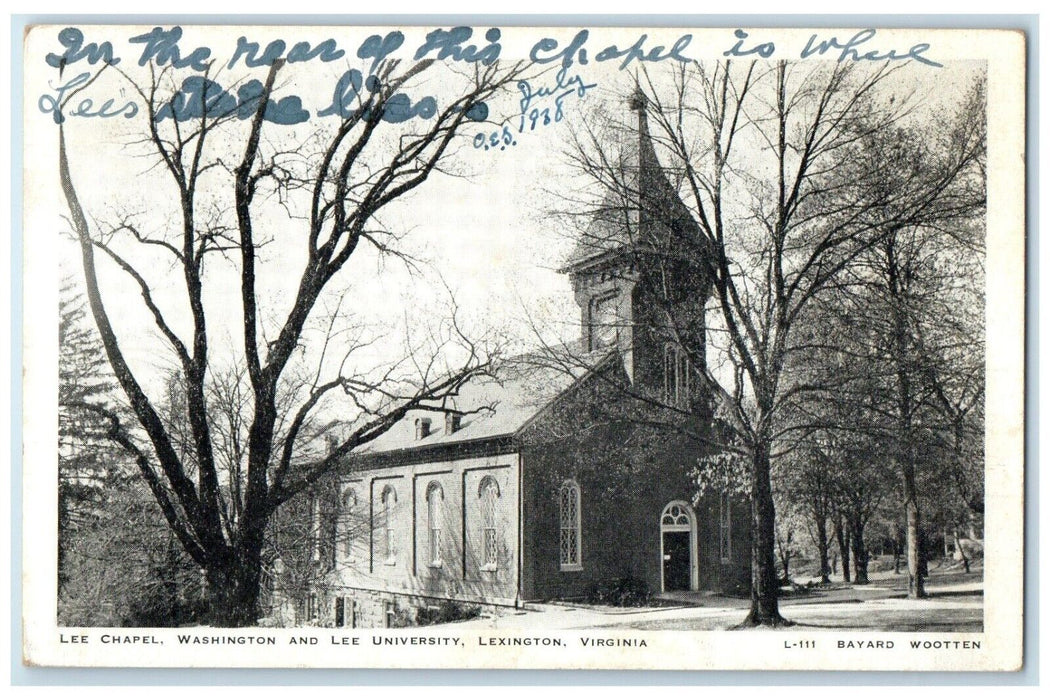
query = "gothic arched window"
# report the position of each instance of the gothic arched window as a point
(435, 498)
(389, 541)
(488, 493)
(569, 521)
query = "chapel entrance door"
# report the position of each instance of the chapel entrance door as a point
(678, 548)
(676, 561)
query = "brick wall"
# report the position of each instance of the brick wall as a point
(467, 569)
(627, 474)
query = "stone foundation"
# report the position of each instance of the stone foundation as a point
(384, 609)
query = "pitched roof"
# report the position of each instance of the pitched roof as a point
(493, 406)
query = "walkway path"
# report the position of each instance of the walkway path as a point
(956, 604)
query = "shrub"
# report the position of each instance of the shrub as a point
(739, 589)
(447, 611)
(625, 592)
(400, 618)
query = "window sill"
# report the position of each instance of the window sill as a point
(435, 565)
(488, 567)
(390, 562)
(572, 567)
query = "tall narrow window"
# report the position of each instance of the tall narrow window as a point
(670, 361)
(604, 322)
(682, 379)
(676, 376)
(725, 528)
(489, 494)
(389, 543)
(569, 518)
(435, 499)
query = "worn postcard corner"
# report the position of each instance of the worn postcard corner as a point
(523, 347)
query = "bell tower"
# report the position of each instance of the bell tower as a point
(637, 276)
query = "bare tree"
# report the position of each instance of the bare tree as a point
(218, 162)
(917, 295)
(783, 182)
(808, 480)
(931, 434)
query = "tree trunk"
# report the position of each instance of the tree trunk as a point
(916, 587)
(233, 585)
(843, 539)
(905, 448)
(764, 607)
(962, 551)
(924, 556)
(897, 549)
(860, 552)
(785, 561)
(822, 550)
(232, 597)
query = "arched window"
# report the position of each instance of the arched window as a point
(569, 520)
(725, 528)
(435, 498)
(349, 517)
(389, 543)
(604, 322)
(676, 376)
(488, 492)
(675, 515)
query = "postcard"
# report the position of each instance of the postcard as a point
(523, 347)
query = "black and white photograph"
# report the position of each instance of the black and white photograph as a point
(523, 347)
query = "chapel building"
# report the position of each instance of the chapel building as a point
(573, 467)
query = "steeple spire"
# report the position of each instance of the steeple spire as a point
(638, 102)
(629, 253)
(643, 208)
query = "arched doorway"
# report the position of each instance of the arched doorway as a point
(678, 569)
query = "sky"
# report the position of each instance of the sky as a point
(486, 236)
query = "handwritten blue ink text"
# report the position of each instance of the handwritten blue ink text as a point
(52, 104)
(850, 50)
